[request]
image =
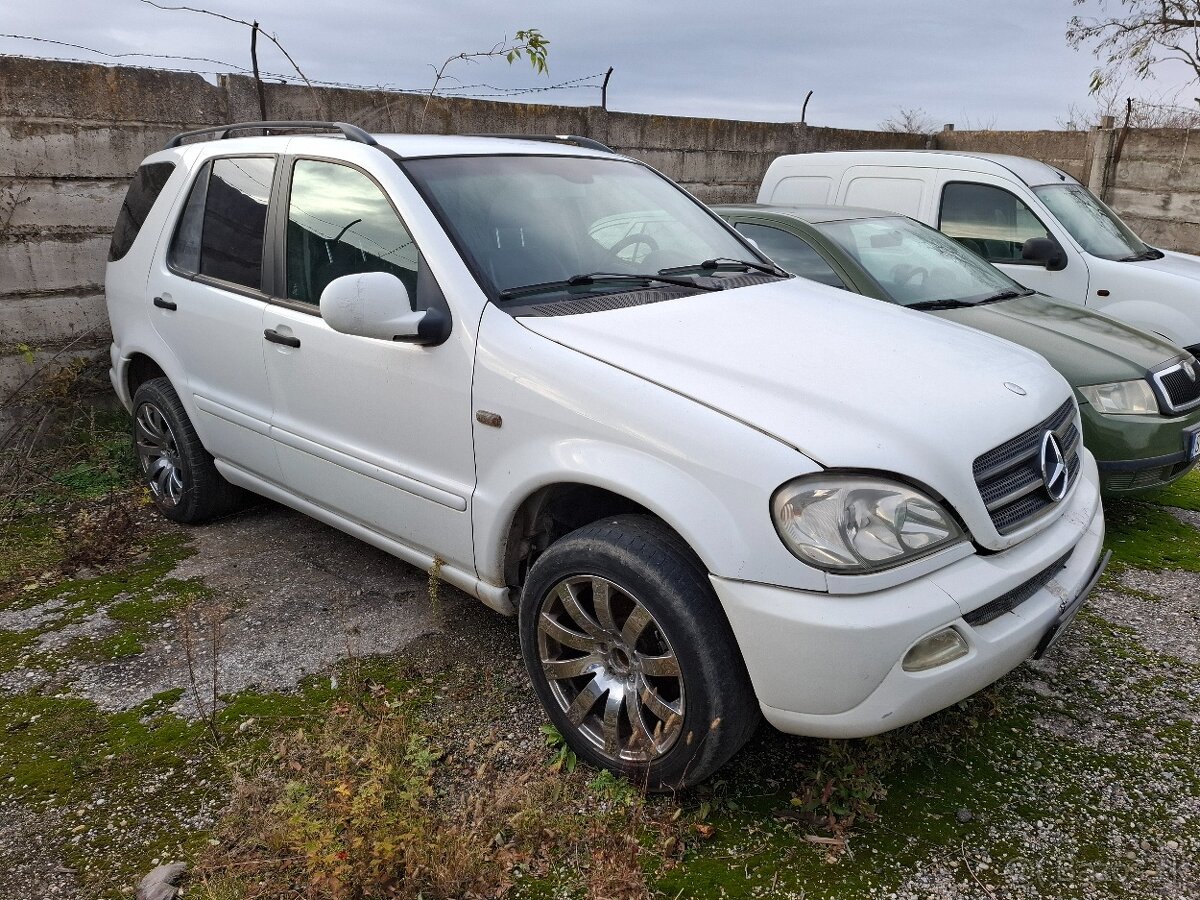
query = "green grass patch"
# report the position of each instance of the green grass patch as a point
(1183, 494)
(1149, 537)
(29, 544)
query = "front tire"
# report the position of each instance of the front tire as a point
(179, 473)
(631, 655)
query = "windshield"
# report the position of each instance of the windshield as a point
(913, 263)
(537, 220)
(1090, 222)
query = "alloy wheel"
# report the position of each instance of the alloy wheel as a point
(611, 669)
(158, 454)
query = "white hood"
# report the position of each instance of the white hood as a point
(1181, 264)
(846, 380)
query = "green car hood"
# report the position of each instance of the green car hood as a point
(1086, 347)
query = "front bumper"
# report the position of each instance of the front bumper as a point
(830, 666)
(1139, 453)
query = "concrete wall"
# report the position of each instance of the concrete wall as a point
(1068, 150)
(1156, 187)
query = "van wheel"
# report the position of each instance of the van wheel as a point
(179, 473)
(630, 653)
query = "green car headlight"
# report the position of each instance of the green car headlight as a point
(858, 523)
(1121, 398)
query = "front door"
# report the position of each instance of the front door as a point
(992, 220)
(376, 431)
(208, 301)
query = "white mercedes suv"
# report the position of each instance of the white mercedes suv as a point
(545, 372)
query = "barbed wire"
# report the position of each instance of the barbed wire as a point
(476, 91)
(42, 40)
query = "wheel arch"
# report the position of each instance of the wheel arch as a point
(553, 510)
(140, 368)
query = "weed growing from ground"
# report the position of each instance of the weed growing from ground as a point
(564, 758)
(364, 804)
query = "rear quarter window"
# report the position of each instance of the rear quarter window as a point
(144, 189)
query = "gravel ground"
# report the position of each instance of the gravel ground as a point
(1085, 786)
(293, 597)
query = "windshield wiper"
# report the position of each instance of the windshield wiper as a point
(959, 303)
(1148, 253)
(545, 287)
(1006, 294)
(939, 304)
(728, 262)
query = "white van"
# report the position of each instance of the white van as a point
(1037, 223)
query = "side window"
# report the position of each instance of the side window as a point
(220, 233)
(184, 253)
(144, 189)
(793, 253)
(341, 223)
(989, 220)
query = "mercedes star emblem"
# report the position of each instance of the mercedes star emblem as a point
(1054, 467)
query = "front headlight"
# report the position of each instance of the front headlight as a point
(1121, 398)
(857, 523)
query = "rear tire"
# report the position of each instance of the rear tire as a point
(179, 473)
(632, 656)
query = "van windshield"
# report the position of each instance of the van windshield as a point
(915, 265)
(1097, 228)
(530, 224)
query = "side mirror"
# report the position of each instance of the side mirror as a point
(1046, 251)
(377, 305)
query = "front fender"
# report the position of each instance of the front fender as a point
(569, 418)
(685, 503)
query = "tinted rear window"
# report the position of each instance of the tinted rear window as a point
(220, 232)
(144, 189)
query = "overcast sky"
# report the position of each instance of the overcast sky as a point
(1004, 65)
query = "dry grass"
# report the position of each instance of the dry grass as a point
(364, 805)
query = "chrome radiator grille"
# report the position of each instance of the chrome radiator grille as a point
(1009, 477)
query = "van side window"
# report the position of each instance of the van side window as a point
(144, 189)
(341, 223)
(220, 233)
(792, 252)
(989, 220)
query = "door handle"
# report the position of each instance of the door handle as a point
(276, 338)
(165, 304)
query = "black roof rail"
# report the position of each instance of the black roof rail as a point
(576, 139)
(220, 132)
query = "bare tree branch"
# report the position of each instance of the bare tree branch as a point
(528, 43)
(254, 26)
(905, 120)
(1132, 37)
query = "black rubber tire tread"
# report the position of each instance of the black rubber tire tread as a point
(641, 553)
(206, 494)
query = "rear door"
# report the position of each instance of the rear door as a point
(907, 190)
(207, 301)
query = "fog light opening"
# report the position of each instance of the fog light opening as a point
(936, 650)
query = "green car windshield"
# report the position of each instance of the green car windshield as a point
(531, 224)
(914, 264)
(1093, 224)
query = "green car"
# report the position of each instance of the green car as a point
(1139, 396)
